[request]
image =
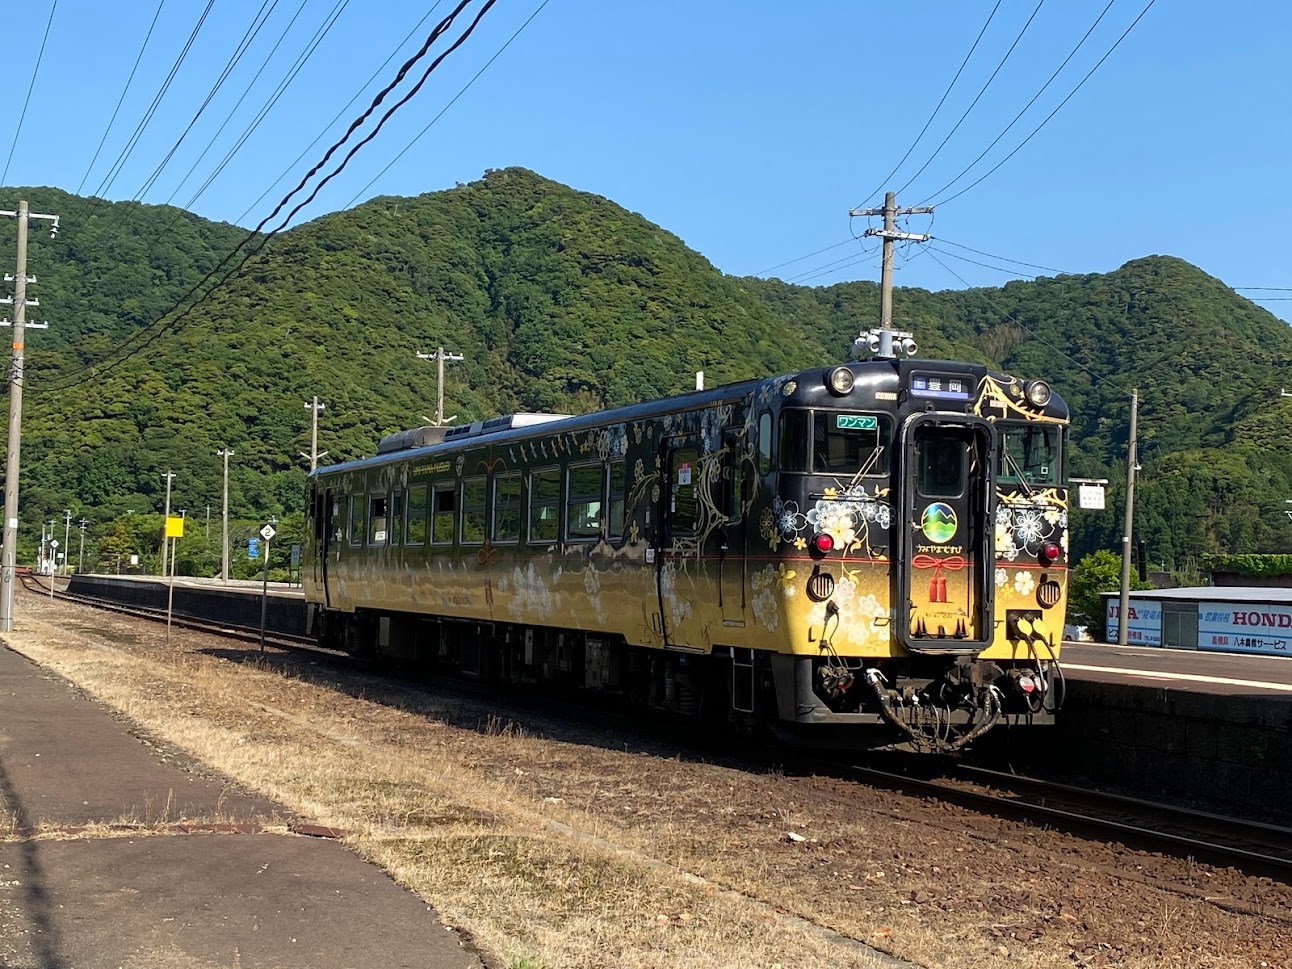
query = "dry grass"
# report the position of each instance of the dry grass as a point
(570, 853)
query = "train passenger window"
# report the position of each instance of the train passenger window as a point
(583, 503)
(415, 524)
(443, 511)
(396, 516)
(473, 510)
(357, 503)
(764, 442)
(942, 465)
(1028, 452)
(616, 479)
(794, 440)
(506, 508)
(850, 443)
(544, 505)
(684, 476)
(377, 505)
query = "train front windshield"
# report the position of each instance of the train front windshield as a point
(1028, 453)
(836, 442)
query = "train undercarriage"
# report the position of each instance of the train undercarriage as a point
(937, 704)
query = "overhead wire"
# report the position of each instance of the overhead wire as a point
(121, 100)
(941, 101)
(790, 262)
(30, 87)
(452, 101)
(149, 334)
(977, 98)
(1056, 110)
(1027, 106)
(990, 255)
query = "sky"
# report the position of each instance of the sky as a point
(747, 128)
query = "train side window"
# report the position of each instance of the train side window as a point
(473, 510)
(396, 516)
(616, 482)
(377, 506)
(544, 505)
(443, 513)
(682, 479)
(764, 442)
(794, 440)
(506, 509)
(357, 503)
(583, 503)
(415, 526)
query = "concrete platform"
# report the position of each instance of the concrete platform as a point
(172, 899)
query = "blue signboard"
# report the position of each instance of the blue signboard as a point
(1241, 628)
(1144, 626)
(253, 548)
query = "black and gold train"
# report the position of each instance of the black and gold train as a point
(868, 554)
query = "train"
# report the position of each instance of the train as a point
(869, 555)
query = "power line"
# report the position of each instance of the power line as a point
(941, 100)
(976, 99)
(121, 100)
(452, 101)
(990, 255)
(158, 328)
(1029, 104)
(344, 108)
(1080, 84)
(790, 262)
(36, 70)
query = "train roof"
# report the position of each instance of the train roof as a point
(806, 388)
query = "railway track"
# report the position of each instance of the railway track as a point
(1250, 846)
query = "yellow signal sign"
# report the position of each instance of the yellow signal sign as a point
(174, 528)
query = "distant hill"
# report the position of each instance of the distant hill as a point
(562, 300)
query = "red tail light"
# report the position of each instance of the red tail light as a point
(824, 542)
(1051, 553)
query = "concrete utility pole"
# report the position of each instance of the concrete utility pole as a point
(169, 475)
(9, 554)
(889, 234)
(315, 453)
(439, 356)
(224, 531)
(81, 525)
(1131, 468)
(67, 532)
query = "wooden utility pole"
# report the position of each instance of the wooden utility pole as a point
(1131, 468)
(889, 234)
(439, 356)
(9, 554)
(224, 530)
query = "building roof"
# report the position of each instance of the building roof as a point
(1216, 593)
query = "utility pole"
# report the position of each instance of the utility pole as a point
(169, 475)
(889, 234)
(315, 453)
(224, 531)
(1124, 609)
(67, 531)
(439, 356)
(9, 554)
(81, 524)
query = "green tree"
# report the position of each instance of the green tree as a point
(1100, 571)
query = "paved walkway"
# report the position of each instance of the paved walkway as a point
(198, 895)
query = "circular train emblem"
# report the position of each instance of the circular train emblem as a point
(939, 522)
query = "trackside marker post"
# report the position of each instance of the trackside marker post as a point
(267, 533)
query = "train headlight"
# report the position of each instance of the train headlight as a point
(1038, 393)
(840, 381)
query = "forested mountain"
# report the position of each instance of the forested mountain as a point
(561, 300)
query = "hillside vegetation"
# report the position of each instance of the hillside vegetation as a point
(564, 301)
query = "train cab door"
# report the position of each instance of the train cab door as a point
(733, 489)
(677, 557)
(324, 505)
(948, 576)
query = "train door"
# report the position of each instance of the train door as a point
(677, 559)
(324, 499)
(947, 579)
(731, 533)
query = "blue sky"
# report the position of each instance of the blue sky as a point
(747, 128)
